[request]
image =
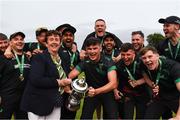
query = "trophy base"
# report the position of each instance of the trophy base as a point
(72, 105)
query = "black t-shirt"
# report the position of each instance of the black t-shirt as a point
(115, 53)
(32, 46)
(10, 83)
(66, 56)
(1, 53)
(164, 50)
(93, 34)
(169, 76)
(123, 75)
(96, 72)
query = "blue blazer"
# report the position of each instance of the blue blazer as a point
(41, 93)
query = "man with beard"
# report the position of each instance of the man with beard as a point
(164, 79)
(109, 49)
(131, 83)
(70, 58)
(102, 80)
(4, 43)
(13, 73)
(111, 52)
(137, 40)
(170, 47)
(100, 32)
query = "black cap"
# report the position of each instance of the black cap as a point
(170, 19)
(70, 29)
(62, 26)
(108, 35)
(16, 34)
(40, 30)
(3, 36)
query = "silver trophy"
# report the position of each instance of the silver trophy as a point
(79, 88)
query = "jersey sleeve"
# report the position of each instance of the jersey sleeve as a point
(80, 66)
(110, 65)
(175, 72)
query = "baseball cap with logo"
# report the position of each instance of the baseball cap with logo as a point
(170, 19)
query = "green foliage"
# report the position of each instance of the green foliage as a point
(154, 39)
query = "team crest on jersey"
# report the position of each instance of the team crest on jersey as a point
(100, 66)
(166, 49)
(25, 66)
(65, 51)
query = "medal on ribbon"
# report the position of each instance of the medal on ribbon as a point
(21, 77)
(20, 66)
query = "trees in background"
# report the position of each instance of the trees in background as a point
(154, 39)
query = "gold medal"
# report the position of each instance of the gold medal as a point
(71, 67)
(21, 77)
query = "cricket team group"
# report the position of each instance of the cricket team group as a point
(126, 80)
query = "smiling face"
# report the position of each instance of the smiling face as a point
(170, 29)
(137, 41)
(109, 43)
(53, 43)
(3, 45)
(128, 56)
(93, 52)
(100, 27)
(150, 59)
(68, 39)
(17, 43)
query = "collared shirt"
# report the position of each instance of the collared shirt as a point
(1, 53)
(169, 76)
(32, 46)
(93, 34)
(164, 50)
(66, 55)
(114, 53)
(96, 72)
(124, 77)
(10, 83)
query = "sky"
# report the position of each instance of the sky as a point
(121, 16)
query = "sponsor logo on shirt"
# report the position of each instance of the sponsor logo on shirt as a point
(25, 66)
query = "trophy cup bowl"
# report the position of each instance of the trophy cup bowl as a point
(79, 88)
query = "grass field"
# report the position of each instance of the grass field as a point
(78, 114)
